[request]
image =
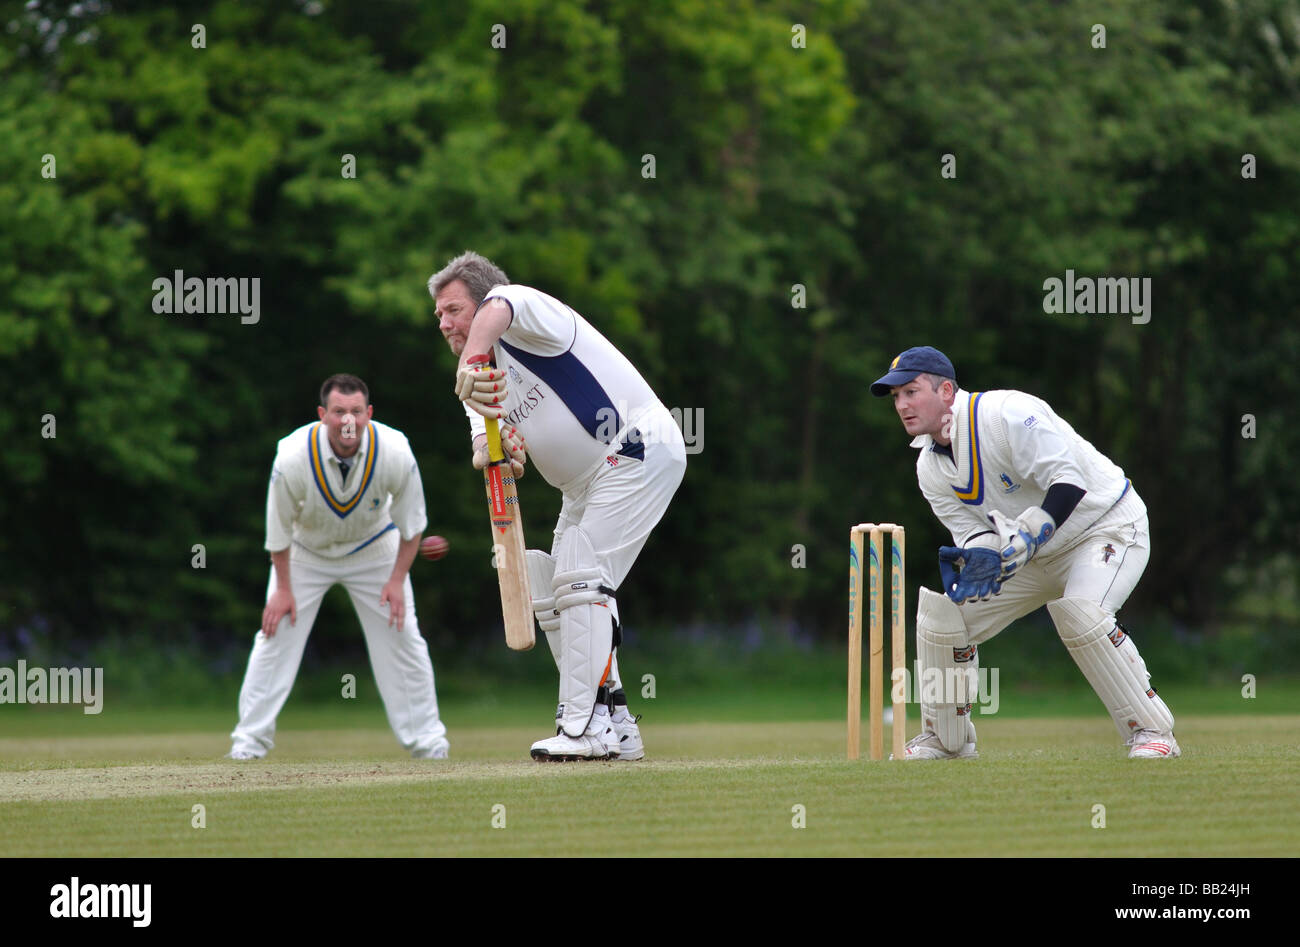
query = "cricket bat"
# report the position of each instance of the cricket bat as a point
(507, 537)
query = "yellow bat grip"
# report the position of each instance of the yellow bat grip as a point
(495, 453)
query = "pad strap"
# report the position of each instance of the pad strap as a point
(580, 587)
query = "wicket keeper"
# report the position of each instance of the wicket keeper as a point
(598, 434)
(1038, 516)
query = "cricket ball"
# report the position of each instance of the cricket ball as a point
(434, 547)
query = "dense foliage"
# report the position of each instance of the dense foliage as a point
(780, 161)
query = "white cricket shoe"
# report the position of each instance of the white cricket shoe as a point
(242, 755)
(564, 748)
(438, 751)
(1153, 745)
(926, 746)
(623, 738)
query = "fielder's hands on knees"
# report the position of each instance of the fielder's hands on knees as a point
(483, 389)
(393, 595)
(280, 603)
(1021, 537)
(969, 574)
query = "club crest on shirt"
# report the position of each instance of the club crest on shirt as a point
(1008, 485)
(612, 460)
(515, 377)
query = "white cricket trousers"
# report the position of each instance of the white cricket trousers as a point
(1103, 566)
(400, 660)
(625, 499)
(617, 509)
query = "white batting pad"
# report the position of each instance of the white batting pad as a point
(586, 631)
(541, 581)
(1110, 661)
(944, 649)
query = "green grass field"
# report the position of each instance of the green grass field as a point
(125, 784)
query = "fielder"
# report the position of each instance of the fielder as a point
(1039, 517)
(599, 435)
(345, 506)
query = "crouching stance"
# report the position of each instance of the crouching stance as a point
(1038, 517)
(325, 527)
(567, 398)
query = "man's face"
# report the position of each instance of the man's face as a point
(455, 311)
(922, 409)
(345, 417)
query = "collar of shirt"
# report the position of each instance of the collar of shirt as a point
(358, 457)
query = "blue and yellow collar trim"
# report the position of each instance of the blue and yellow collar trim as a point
(973, 493)
(341, 507)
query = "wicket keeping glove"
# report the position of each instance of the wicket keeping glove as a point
(971, 573)
(1021, 538)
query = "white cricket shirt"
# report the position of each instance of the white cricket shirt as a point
(1008, 448)
(307, 502)
(572, 394)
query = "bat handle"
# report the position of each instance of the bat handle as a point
(495, 453)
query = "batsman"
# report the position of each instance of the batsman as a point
(1038, 516)
(562, 393)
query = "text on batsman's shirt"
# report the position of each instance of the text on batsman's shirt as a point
(571, 393)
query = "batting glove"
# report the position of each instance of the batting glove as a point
(512, 445)
(483, 389)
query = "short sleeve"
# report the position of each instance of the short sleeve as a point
(539, 324)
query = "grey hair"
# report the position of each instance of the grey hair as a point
(478, 273)
(936, 381)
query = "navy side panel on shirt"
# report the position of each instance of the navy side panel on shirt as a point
(575, 386)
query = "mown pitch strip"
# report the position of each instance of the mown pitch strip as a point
(1043, 787)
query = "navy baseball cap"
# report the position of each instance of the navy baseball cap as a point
(911, 363)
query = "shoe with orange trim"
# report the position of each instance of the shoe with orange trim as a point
(1154, 745)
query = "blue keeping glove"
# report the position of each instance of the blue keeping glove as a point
(1021, 538)
(970, 573)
